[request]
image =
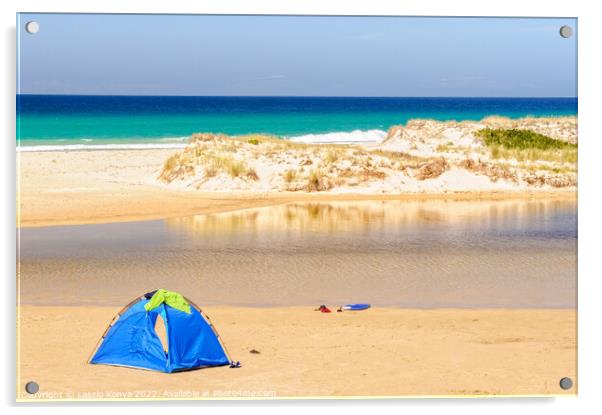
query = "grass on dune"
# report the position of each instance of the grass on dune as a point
(567, 155)
(290, 175)
(258, 139)
(521, 139)
(213, 163)
(235, 168)
(526, 145)
(316, 181)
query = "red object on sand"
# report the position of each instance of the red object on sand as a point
(324, 309)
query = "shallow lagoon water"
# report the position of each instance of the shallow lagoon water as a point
(435, 253)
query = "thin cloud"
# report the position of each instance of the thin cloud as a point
(458, 80)
(364, 36)
(266, 78)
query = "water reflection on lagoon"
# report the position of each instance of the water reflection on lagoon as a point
(433, 253)
(421, 220)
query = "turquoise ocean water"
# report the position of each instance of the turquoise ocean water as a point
(75, 121)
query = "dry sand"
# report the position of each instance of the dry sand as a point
(303, 353)
(74, 187)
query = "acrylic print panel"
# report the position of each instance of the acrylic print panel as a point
(364, 206)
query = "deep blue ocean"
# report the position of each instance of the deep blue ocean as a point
(67, 120)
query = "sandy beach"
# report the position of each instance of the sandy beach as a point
(439, 324)
(303, 353)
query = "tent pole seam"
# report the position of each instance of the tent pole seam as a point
(115, 318)
(219, 338)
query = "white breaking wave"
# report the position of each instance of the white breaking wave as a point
(175, 139)
(86, 147)
(356, 136)
(352, 137)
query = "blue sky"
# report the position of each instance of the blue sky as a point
(296, 56)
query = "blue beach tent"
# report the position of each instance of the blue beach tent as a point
(131, 340)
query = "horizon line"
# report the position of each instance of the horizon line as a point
(304, 96)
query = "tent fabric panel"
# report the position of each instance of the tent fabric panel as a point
(192, 341)
(133, 342)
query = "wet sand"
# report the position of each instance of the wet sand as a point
(303, 353)
(75, 187)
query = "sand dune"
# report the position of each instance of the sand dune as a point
(70, 187)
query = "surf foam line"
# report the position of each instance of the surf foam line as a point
(89, 147)
(356, 136)
(344, 137)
